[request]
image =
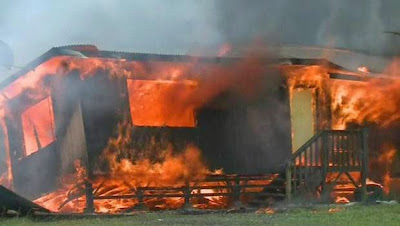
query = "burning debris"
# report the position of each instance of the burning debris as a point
(124, 177)
(265, 211)
(335, 210)
(385, 159)
(363, 69)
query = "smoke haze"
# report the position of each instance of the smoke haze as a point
(176, 26)
(357, 25)
(32, 27)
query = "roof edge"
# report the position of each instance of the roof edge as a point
(84, 51)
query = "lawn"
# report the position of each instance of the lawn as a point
(382, 214)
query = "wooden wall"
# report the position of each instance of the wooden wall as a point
(248, 137)
(33, 174)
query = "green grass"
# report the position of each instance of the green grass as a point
(352, 215)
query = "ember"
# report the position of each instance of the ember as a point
(363, 69)
(335, 210)
(341, 200)
(266, 211)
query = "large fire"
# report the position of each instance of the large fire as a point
(374, 101)
(371, 101)
(168, 94)
(125, 177)
(38, 126)
(150, 103)
(160, 94)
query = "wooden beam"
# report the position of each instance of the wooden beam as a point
(289, 181)
(11, 201)
(364, 162)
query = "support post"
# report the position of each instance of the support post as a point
(364, 165)
(139, 195)
(187, 192)
(325, 162)
(289, 181)
(89, 197)
(236, 193)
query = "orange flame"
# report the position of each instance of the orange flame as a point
(370, 101)
(374, 101)
(385, 160)
(198, 84)
(224, 50)
(37, 124)
(363, 69)
(156, 103)
(125, 176)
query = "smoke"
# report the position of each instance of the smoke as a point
(364, 26)
(32, 27)
(357, 25)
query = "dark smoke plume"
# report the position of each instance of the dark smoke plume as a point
(357, 25)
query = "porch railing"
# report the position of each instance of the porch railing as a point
(341, 151)
(234, 188)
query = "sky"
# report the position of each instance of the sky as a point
(31, 27)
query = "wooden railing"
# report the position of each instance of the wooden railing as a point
(327, 151)
(233, 187)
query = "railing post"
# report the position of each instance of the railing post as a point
(236, 193)
(140, 198)
(325, 160)
(289, 181)
(186, 194)
(89, 197)
(364, 164)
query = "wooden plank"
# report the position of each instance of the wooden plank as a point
(11, 201)
(313, 152)
(306, 156)
(343, 149)
(338, 169)
(241, 186)
(340, 150)
(307, 144)
(306, 168)
(333, 158)
(348, 158)
(317, 152)
(71, 145)
(295, 178)
(263, 193)
(115, 197)
(288, 184)
(300, 168)
(364, 167)
(325, 160)
(353, 150)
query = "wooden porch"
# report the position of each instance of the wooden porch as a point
(330, 151)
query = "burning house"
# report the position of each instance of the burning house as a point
(104, 131)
